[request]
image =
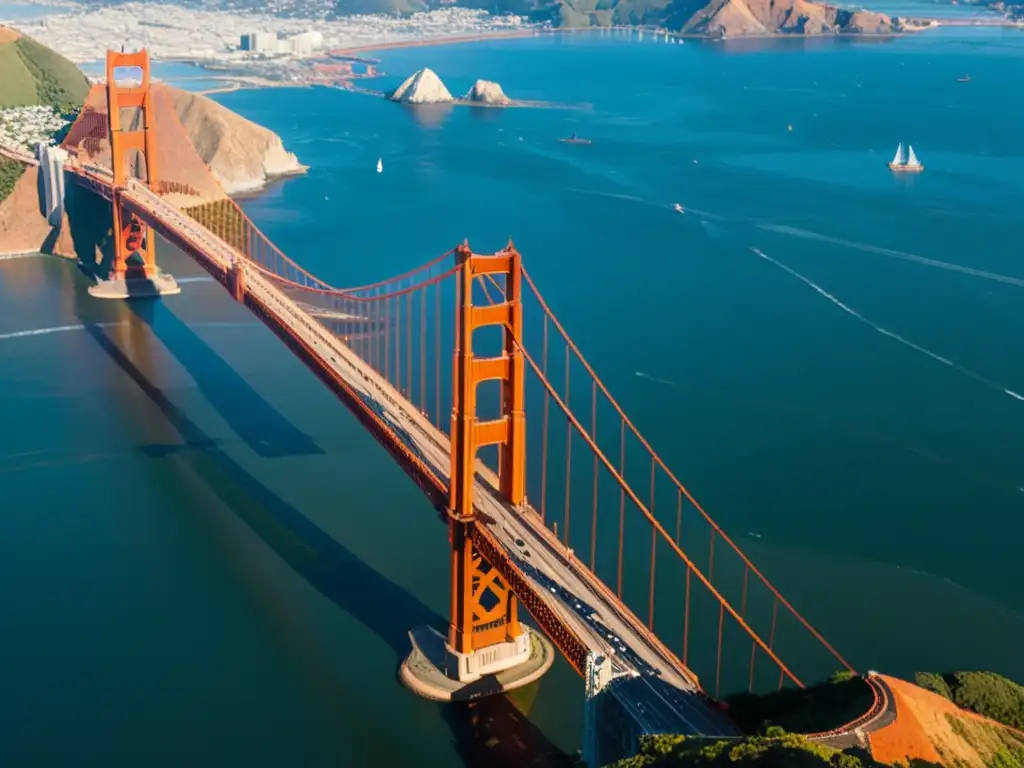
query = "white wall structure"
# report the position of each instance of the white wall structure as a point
(306, 43)
(51, 165)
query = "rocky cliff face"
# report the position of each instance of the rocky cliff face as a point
(240, 154)
(424, 87)
(24, 229)
(217, 152)
(737, 18)
(713, 18)
(487, 92)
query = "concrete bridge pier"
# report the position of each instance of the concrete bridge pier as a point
(434, 670)
(51, 166)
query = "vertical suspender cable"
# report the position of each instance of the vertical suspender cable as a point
(568, 451)
(593, 516)
(544, 430)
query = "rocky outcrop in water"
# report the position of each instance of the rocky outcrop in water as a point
(487, 92)
(424, 87)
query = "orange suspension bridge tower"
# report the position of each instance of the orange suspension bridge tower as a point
(133, 147)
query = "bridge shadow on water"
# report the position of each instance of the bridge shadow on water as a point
(261, 426)
(252, 418)
(490, 733)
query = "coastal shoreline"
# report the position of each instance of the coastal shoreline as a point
(554, 31)
(255, 82)
(249, 82)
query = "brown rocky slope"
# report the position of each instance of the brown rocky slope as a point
(239, 154)
(23, 229)
(738, 18)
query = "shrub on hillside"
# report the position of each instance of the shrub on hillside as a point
(932, 681)
(781, 750)
(986, 693)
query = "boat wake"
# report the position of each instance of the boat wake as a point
(45, 331)
(612, 195)
(81, 327)
(783, 229)
(885, 332)
(655, 379)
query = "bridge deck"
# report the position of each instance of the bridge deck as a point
(662, 696)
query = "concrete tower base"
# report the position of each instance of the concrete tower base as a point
(436, 672)
(161, 284)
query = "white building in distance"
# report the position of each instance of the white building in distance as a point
(260, 42)
(306, 43)
(268, 43)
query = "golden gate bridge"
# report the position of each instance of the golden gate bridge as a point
(463, 372)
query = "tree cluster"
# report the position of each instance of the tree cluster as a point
(986, 693)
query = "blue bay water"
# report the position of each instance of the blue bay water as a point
(203, 543)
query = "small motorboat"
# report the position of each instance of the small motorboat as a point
(574, 139)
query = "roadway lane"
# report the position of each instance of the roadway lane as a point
(660, 694)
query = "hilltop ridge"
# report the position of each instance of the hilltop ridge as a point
(33, 75)
(731, 18)
(716, 18)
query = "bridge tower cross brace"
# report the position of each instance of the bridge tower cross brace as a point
(130, 234)
(484, 610)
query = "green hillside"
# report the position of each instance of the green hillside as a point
(31, 74)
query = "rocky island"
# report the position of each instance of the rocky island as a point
(425, 87)
(487, 92)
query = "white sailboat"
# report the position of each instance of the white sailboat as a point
(910, 164)
(380, 165)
